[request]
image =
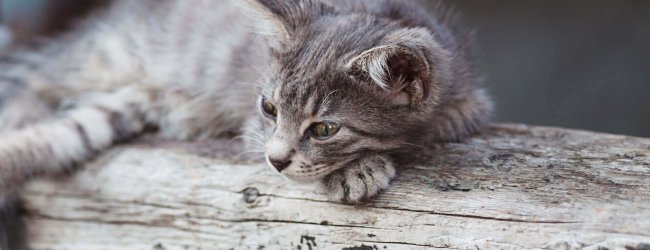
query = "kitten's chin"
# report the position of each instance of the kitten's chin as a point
(314, 172)
(298, 175)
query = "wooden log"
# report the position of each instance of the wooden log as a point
(514, 187)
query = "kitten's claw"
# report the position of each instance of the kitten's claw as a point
(360, 180)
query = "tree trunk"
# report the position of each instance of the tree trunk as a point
(516, 186)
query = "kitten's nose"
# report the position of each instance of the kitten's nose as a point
(280, 164)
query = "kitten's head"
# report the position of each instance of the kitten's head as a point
(344, 85)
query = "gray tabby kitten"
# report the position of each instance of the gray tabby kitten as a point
(329, 91)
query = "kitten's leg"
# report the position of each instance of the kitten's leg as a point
(58, 145)
(361, 179)
(461, 116)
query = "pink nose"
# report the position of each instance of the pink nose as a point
(280, 164)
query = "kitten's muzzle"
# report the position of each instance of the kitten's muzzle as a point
(280, 164)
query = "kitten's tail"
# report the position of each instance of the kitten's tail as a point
(55, 146)
(12, 227)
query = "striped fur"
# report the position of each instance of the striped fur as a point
(63, 142)
(393, 77)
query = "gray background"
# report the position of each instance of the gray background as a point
(578, 64)
(570, 63)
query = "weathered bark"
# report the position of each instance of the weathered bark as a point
(514, 187)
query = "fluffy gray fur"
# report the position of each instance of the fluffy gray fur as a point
(394, 77)
(391, 76)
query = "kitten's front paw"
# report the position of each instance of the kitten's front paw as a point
(360, 180)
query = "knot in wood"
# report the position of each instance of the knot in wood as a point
(250, 194)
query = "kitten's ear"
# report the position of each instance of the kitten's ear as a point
(400, 67)
(279, 20)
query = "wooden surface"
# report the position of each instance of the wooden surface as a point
(514, 187)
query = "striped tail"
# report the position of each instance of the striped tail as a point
(60, 144)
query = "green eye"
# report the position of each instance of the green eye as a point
(323, 130)
(268, 108)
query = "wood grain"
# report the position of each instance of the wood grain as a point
(514, 187)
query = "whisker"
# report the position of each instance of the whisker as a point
(260, 136)
(248, 159)
(242, 137)
(253, 139)
(414, 145)
(252, 151)
(255, 132)
(248, 152)
(236, 138)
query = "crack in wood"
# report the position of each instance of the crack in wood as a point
(399, 243)
(480, 217)
(234, 221)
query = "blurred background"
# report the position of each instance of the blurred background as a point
(569, 63)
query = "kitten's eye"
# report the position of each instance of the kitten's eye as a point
(269, 109)
(324, 130)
